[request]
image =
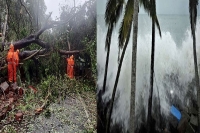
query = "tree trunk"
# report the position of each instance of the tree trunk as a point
(106, 69)
(108, 40)
(69, 45)
(193, 17)
(36, 5)
(64, 52)
(149, 117)
(5, 25)
(25, 54)
(115, 86)
(101, 109)
(133, 73)
(196, 75)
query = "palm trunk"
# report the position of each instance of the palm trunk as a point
(101, 109)
(149, 117)
(115, 87)
(196, 75)
(133, 73)
(108, 40)
(106, 69)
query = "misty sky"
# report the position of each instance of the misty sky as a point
(53, 5)
(163, 7)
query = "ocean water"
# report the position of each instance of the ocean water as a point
(174, 69)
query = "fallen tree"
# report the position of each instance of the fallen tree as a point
(64, 52)
(44, 51)
(35, 38)
(29, 54)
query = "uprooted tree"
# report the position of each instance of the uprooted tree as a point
(66, 37)
(34, 38)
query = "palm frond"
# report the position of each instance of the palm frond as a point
(193, 13)
(126, 23)
(157, 25)
(145, 4)
(112, 14)
(113, 11)
(150, 8)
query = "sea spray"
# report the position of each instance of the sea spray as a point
(174, 72)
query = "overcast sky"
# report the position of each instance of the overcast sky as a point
(53, 5)
(162, 7)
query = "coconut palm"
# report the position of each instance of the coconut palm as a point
(112, 14)
(193, 19)
(133, 72)
(150, 7)
(124, 35)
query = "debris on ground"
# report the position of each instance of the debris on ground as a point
(23, 110)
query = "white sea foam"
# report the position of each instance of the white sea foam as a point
(169, 59)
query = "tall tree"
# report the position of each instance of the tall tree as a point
(124, 34)
(150, 8)
(112, 14)
(5, 24)
(193, 19)
(133, 73)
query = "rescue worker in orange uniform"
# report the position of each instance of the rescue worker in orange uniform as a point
(15, 64)
(70, 67)
(10, 63)
(71, 70)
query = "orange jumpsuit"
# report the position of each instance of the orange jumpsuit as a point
(15, 64)
(71, 70)
(70, 67)
(10, 63)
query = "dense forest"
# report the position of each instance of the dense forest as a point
(44, 45)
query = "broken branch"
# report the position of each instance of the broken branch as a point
(32, 55)
(40, 109)
(64, 52)
(26, 54)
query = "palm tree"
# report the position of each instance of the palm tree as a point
(124, 34)
(193, 19)
(151, 9)
(112, 14)
(133, 73)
